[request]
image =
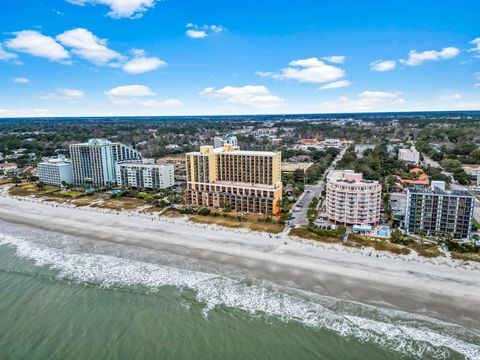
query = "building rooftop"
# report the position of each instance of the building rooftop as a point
(438, 191)
(291, 167)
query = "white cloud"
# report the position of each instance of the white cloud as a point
(336, 85)
(88, 46)
(136, 94)
(383, 65)
(264, 73)
(477, 75)
(336, 59)
(418, 58)
(202, 31)
(64, 94)
(311, 70)
(5, 55)
(12, 113)
(36, 44)
(451, 96)
(257, 96)
(161, 103)
(196, 34)
(121, 8)
(21, 80)
(477, 85)
(141, 63)
(364, 102)
(475, 42)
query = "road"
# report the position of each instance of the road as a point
(311, 191)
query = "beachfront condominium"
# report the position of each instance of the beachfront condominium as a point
(93, 162)
(229, 139)
(141, 175)
(352, 200)
(227, 177)
(55, 171)
(437, 211)
(409, 155)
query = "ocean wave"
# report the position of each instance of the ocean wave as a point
(393, 330)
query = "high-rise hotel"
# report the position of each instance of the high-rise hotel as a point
(227, 177)
(93, 162)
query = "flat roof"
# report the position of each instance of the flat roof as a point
(437, 191)
(250, 152)
(291, 167)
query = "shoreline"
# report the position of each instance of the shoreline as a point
(440, 288)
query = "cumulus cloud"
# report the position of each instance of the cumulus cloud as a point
(5, 55)
(133, 9)
(36, 44)
(139, 95)
(336, 85)
(201, 31)
(365, 101)
(477, 85)
(451, 96)
(21, 80)
(418, 58)
(88, 46)
(13, 113)
(64, 94)
(310, 70)
(141, 63)
(336, 59)
(257, 96)
(383, 65)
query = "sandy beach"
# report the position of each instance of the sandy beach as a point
(441, 288)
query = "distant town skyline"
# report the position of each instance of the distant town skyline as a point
(148, 57)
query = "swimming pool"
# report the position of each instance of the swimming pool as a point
(383, 231)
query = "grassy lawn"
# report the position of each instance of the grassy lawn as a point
(144, 196)
(68, 194)
(310, 235)
(273, 228)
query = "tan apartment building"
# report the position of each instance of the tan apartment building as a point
(248, 181)
(352, 200)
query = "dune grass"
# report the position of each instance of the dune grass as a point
(229, 222)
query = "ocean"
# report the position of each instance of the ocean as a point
(67, 298)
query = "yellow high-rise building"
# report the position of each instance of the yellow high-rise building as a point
(228, 177)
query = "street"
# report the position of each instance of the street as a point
(310, 192)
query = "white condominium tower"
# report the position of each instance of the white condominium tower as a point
(352, 200)
(151, 176)
(93, 162)
(55, 171)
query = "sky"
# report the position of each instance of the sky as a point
(200, 57)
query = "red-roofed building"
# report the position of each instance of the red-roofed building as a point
(422, 179)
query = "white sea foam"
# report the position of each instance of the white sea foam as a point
(415, 339)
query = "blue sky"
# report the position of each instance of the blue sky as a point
(173, 57)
